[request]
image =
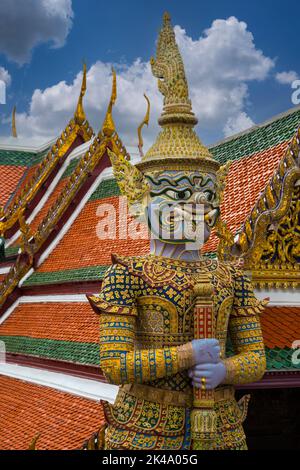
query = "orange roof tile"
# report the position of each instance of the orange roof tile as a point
(81, 247)
(281, 326)
(246, 179)
(44, 210)
(74, 321)
(64, 421)
(9, 177)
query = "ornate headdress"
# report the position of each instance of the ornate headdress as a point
(177, 146)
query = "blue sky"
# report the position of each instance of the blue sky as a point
(119, 32)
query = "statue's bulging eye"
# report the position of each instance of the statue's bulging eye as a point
(209, 195)
(181, 195)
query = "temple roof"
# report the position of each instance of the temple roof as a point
(15, 168)
(73, 260)
(64, 421)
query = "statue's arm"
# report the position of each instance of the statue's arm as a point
(122, 363)
(248, 364)
(120, 360)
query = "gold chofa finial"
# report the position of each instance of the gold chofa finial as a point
(79, 115)
(108, 127)
(13, 123)
(143, 123)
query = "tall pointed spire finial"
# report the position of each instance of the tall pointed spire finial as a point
(13, 123)
(108, 127)
(168, 68)
(79, 115)
(145, 122)
(177, 145)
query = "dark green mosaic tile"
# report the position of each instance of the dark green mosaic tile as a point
(107, 188)
(92, 273)
(71, 167)
(11, 250)
(257, 140)
(70, 351)
(20, 158)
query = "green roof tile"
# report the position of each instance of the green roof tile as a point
(11, 250)
(70, 351)
(92, 273)
(107, 188)
(70, 168)
(20, 158)
(258, 139)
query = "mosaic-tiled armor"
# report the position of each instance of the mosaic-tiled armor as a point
(146, 310)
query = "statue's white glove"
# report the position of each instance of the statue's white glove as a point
(206, 350)
(214, 375)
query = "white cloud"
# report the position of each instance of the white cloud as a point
(237, 123)
(5, 76)
(25, 24)
(218, 65)
(286, 78)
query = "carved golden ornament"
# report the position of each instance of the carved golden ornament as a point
(131, 181)
(26, 237)
(108, 127)
(270, 240)
(79, 115)
(13, 123)
(226, 240)
(273, 203)
(145, 122)
(277, 262)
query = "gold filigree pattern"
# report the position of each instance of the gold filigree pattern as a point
(269, 240)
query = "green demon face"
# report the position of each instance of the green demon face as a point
(182, 206)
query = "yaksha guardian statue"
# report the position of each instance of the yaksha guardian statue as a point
(167, 318)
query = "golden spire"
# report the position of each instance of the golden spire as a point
(169, 69)
(143, 123)
(177, 140)
(79, 115)
(108, 127)
(13, 123)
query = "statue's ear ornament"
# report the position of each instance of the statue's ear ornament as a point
(131, 181)
(221, 178)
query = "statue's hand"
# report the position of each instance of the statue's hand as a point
(214, 374)
(206, 350)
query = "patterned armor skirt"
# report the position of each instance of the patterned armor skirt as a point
(147, 418)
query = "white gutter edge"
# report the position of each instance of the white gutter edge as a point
(86, 388)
